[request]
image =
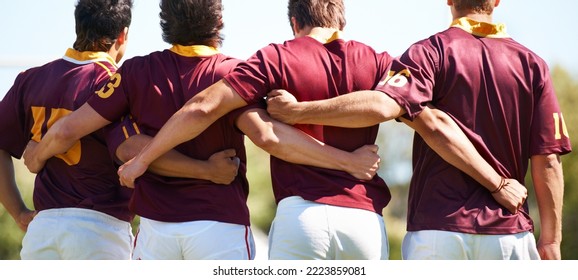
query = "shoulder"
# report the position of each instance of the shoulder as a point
(140, 60)
(228, 63)
(30, 75)
(527, 51)
(363, 50)
(224, 64)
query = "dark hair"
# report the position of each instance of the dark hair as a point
(476, 6)
(100, 22)
(192, 22)
(318, 13)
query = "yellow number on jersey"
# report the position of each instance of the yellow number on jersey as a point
(107, 90)
(559, 121)
(72, 156)
(396, 79)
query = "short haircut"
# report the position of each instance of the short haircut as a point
(477, 6)
(192, 22)
(318, 13)
(100, 22)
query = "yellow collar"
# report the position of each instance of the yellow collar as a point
(335, 36)
(194, 51)
(482, 29)
(87, 57)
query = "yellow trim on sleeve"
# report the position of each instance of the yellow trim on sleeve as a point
(482, 29)
(125, 132)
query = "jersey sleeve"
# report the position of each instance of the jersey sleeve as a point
(410, 79)
(384, 61)
(234, 115)
(12, 122)
(549, 130)
(111, 100)
(252, 79)
(117, 132)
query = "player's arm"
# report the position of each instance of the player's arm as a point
(187, 123)
(10, 195)
(293, 145)
(548, 179)
(356, 109)
(62, 136)
(220, 168)
(440, 132)
(445, 137)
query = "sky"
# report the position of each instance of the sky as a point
(34, 32)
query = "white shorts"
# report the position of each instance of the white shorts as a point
(197, 240)
(76, 234)
(447, 245)
(305, 230)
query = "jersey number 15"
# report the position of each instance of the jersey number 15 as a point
(72, 156)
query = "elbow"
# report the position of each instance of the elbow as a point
(553, 161)
(434, 127)
(191, 114)
(64, 133)
(131, 147)
(434, 121)
(266, 143)
(383, 108)
(266, 140)
(197, 113)
(122, 155)
(378, 115)
(547, 161)
(125, 152)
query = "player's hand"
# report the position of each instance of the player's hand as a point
(129, 171)
(549, 251)
(364, 162)
(512, 196)
(281, 105)
(24, 218)
(224, 166)
(31, 161)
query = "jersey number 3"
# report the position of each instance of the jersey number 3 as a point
(72, 156)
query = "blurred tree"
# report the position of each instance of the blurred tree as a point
(10, 234)
(567, 89)
(261, 200)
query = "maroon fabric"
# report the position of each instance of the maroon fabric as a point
(152, 88)
(501, 95)
(311, 70)
(49, 92)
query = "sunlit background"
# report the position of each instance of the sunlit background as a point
(34, 32)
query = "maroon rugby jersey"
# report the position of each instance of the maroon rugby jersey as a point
(501, 95)
(85, 176)
(152, 88)
(311, 70)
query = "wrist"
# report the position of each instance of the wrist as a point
(503, 183)
(16, 214)
(205, 171)
(143, 158)
(345, 162)
(298, 112)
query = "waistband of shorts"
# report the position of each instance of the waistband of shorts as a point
(81, 212)
(301, 202)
